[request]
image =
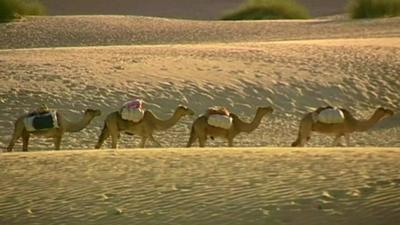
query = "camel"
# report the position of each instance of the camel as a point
(350, 125)
(201, 129)
(64, 124)
(114, 124)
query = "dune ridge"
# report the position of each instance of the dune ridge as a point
(187, 9)
(68, 31)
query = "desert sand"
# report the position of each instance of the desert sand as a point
(212, 186)
(76, 62)
(183, 9)
(351, 64)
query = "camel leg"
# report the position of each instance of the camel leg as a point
(336, 141)
(202, 140)
(230, 142)
(103, 136)
(114, 140)
(113, 131)
(57, 142)
(25, 140)
(347, 138)
(303, 136)
(143, 142)
(304, 131)
(15, 136)
(306, 135)
(192, 138)
(155, 142)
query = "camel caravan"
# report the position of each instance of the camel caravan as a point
(133, 119)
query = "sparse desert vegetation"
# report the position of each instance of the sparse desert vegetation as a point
(11, 9)
(374, 8)
(268, 9)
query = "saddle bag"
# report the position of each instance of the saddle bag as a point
(134, 115)
(133, 110)
(220, 121)
(41, 121)
(331, 116)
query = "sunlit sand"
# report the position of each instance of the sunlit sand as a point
(292, 66)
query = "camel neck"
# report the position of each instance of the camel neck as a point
(168, 123)
(363, 125)
(249, 127)
(79, 125)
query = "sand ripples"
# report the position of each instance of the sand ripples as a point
(292, 77)
(199, 187)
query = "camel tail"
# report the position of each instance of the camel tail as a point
(103, 136)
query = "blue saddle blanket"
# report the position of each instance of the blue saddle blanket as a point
(42, 121)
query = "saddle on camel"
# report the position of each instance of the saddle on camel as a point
(219, 117)
(133, 110)
(41, 119)
(328, 115)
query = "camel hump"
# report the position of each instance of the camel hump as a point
(218, 110)
(331, 115)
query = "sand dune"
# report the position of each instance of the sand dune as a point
(64, 31)
(187, 9)
(293, 77)
(76, 62)
(214, 186)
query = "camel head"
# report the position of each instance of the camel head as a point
(184, 111)
(382, 112)
(93, 112)
(265, 110)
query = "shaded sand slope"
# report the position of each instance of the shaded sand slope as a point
(125, 30)
(293, 77)
(212, 186)
(188, 9)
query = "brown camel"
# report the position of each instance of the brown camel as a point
(201, 129)
(64, 125)
(308, 125)
(114, 124)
